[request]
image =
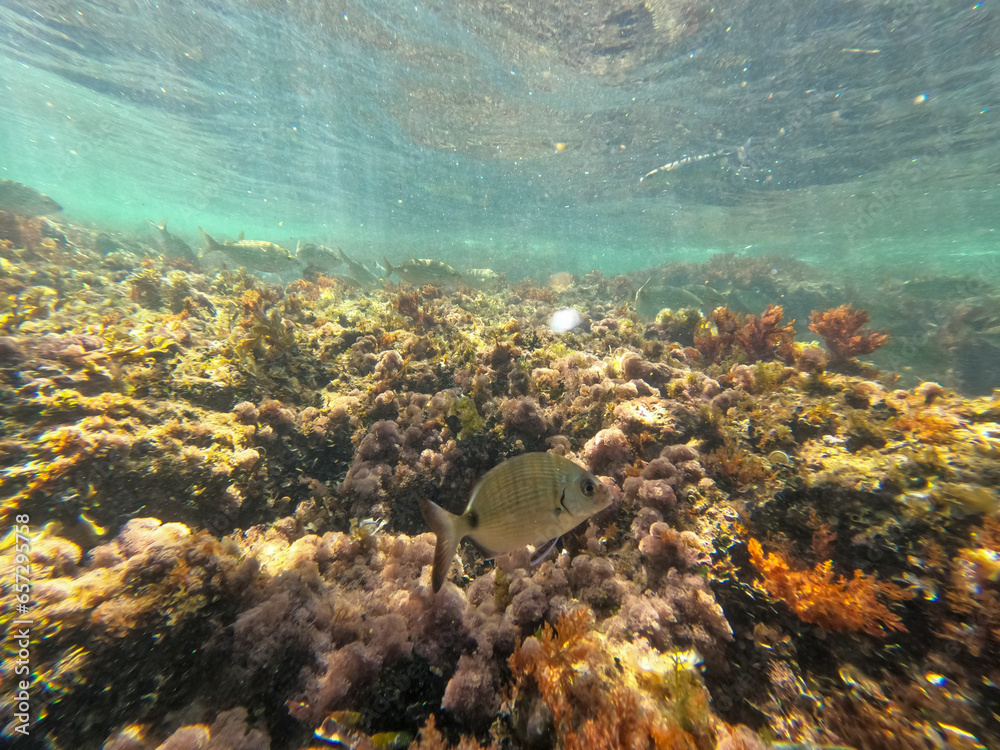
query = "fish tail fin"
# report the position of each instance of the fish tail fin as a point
(445, 526)
(210, 244)
(388, 267)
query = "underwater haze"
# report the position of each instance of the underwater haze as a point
(519, 132)
(539, 374)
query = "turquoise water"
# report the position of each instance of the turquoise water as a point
(434, 130)
(859, 138)
(215, 471)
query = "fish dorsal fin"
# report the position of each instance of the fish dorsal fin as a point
(445, 526)
(240, 237)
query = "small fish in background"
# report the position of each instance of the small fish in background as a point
(256, 254)
(656, 294)
(743, 155)
(318, 257)
(173, 246)
(420, 271)
(532, 499)
(25, 201)
(358, 273)
(565, 320)
(741, 152)
(342, 729)
(485, 279)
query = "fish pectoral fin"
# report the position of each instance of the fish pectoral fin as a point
(445, 527)
(542, 552)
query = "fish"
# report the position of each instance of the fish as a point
(342, 729)
(173, 246)
(483, 278)
(532, 499)
(319, 257)
(683, 162)
(358, 272)
(741, 152)
(420, 271)
(257, 254)
(861, 683)
(25, 201)
(654, 296)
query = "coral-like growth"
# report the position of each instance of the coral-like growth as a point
(716, 345)
(928, 427)
(409, 306)
(569, 685)
(228, 732)
(751, 338)
(737, 467)
(834, 603)
(764, 338)
(431, 739)
(841, 327)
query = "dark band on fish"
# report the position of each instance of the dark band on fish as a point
(562, 500)
(473, 519)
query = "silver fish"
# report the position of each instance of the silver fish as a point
(173, 246)
(319, 257)
(257, 254)
(741, 152)
(656, 295)
(358, 273)
(529, 499)
(420, 271)
(483, 278)
(25, 201)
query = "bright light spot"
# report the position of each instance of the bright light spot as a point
(565, 320)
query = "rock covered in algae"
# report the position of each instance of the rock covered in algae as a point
(227, 473)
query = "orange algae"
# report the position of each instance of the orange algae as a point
(927, 427)
(975, 590)
(751, 337)
(431, 739)
(840, 328)
(834, 603)
(591, 703)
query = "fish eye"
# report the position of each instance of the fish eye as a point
(588, 486)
